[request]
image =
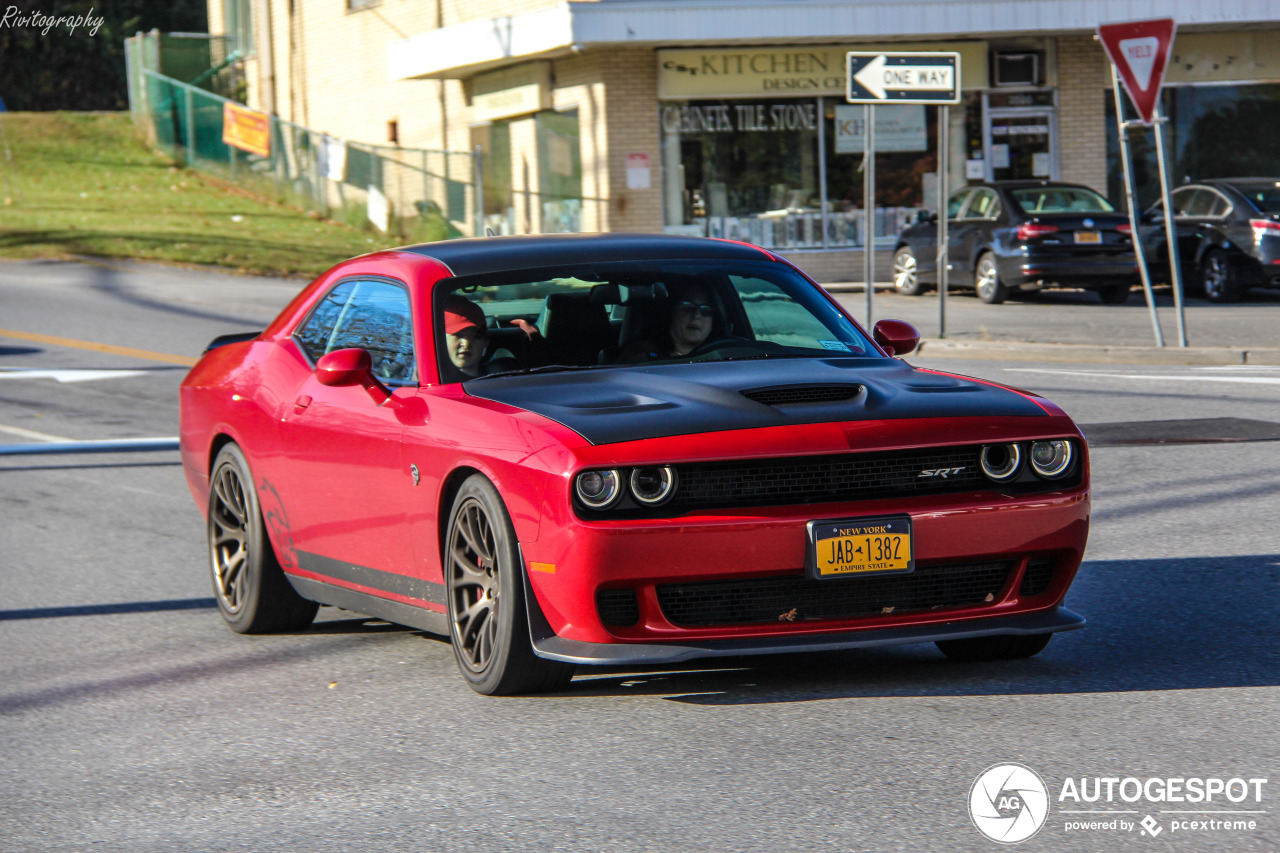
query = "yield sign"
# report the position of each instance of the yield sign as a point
(1140, 52)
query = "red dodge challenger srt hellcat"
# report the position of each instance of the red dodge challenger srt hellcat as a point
(623, 449)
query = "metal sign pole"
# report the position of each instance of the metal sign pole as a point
(869, 207)
(1131, 195)
(1170, 230)
(943, 260)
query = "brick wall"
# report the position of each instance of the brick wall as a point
(1082, 87)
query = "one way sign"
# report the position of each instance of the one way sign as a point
(903, 78)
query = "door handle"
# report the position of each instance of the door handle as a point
(301, 403)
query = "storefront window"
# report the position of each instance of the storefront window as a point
(906, 143)
(788, 174)
(494, 141)
(746, 170)
(1213, 132)
(559, 172)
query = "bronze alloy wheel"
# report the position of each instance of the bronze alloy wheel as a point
(251, 590)
(229, 538)
(475, 587)
(484, 579)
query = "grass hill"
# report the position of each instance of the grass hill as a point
(75, 184)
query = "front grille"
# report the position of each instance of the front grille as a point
(793, 395)
(618, 607)
(798, 599)
(1037, 577)
(819, 479)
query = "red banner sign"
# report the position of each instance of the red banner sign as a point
(246, 129)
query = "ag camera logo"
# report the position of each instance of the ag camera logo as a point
(1009, 803)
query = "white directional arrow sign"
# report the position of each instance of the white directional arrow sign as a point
(68, 375)
(903, 78)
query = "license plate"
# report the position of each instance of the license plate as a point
(1088, 237)
(846, 547)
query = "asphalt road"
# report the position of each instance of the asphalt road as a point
(132, 720)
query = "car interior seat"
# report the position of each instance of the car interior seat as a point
(575, 330)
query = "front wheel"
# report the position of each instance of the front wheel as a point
(986, 280)
(488, 623)
(906, 273)
(249, 586)
(1218, 278)
(999, 647)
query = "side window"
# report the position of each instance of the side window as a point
(1220, 206)
(371, 315)
(957, 201)
(1184, 202)
(981, 205)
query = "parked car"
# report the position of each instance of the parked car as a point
(1019, 236)
(623, 450)
(1228, 236)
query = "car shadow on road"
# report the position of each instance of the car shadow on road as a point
(1154, 625)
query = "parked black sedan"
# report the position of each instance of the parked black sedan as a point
(1011, 236)
(1228, 236)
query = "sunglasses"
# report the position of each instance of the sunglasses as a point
(687, 307)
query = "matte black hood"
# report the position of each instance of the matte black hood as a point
(609, 405)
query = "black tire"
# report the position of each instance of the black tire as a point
(488, 623)
(906, 273)
(986, 280)
(1114, 294)
(253, 595)
(999, 647)
(1218, 277)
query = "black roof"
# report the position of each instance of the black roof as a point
(482, 255)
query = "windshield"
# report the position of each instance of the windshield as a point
(635, 312)
(1061, 200)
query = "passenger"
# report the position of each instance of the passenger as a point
(466, 337)
(690, 321)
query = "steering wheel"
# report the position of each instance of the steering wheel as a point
(708, 347)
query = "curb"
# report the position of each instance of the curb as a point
(1030, 351)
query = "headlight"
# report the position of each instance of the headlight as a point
(598, 489)
(1051, 459)
(653, 486)
(1001, 462)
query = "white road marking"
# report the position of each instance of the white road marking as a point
(32, 434)
(67, 375)
(1155, 377)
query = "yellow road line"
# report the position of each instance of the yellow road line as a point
(96, 347)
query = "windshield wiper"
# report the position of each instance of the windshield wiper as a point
(545, 368)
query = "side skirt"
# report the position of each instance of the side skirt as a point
(431, 621)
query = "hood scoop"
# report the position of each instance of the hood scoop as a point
(799, 395)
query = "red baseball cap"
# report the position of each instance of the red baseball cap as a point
(461, 313)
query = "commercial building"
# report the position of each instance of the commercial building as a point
(728, 117)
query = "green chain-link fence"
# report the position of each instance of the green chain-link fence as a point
(426, 195)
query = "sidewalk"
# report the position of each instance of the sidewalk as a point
(1074, 326)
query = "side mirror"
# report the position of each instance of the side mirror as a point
(926, 216)
(344, 367)
(897, 337)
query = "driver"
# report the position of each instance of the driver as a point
(691, 318)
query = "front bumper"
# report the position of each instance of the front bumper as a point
(547, 645)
